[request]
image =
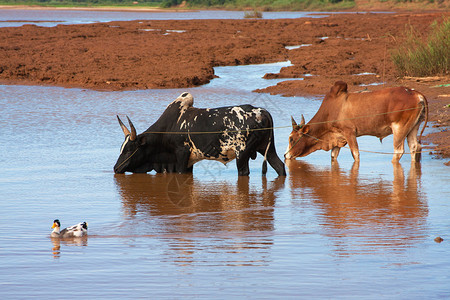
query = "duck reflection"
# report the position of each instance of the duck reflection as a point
(184, 209)
(56, 250)
(363, 214)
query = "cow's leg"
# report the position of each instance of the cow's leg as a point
(171, 168)
(399, 142)
(275, 162)
(414, 146)
(352, 144)
(242, 164)
(182, 155)
(335, 153)
(271, 156)
(158, 168)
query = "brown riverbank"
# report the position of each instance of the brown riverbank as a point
(176, 54)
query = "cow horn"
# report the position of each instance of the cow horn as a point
(124, 128)
(302, 122)
(294, 124)
(133, 130)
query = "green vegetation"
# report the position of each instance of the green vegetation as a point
(264, 5)
(85, 3)
(420, 56)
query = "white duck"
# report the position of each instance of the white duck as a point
(78, 230)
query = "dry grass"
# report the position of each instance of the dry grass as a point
(424, 56)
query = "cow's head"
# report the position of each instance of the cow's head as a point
(143, 153)
(132, 153)
(305, 139)
(299, 141)
(147, 151)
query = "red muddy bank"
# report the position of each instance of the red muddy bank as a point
(177, 54)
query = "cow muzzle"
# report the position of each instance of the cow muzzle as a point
(287, 154)
(118, 171)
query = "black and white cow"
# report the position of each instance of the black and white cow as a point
(184, 135)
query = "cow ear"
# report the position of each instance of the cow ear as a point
(338, 88)
(302, 122)
(305, 129)
(142, 140)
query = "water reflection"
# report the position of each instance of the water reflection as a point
(56, 250)
(239, 206)
(184, 212)
(363, 215)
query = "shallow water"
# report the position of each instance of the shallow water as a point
(19, 17)
(325, 231)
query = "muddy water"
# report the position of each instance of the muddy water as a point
(324, 231)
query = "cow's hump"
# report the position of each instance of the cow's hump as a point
(338, 88)
(185, 99)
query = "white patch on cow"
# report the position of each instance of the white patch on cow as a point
(258, 114)
(196, 154)
(240, 113)
(185, 100)
(226, 155)
(231, 146)
(183, 125)
(124, 143)
(421, 98)
(195, 118)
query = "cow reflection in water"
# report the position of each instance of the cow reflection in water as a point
(179, 207)
(363, 215)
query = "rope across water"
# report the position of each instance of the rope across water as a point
(275, 127)
(281, 127)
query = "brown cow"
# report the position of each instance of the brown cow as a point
(344, 116)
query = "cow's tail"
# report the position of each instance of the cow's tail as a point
(424, 102)
(264, 166)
